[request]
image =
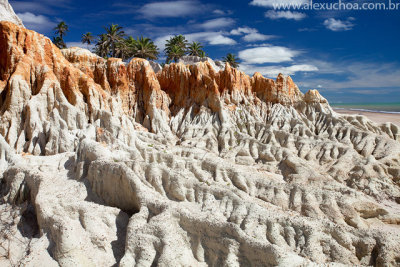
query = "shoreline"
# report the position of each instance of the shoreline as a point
(378, 117)
(368, 110)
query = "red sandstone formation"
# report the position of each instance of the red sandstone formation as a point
(33, 70)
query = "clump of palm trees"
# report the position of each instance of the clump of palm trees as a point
(143, 48)
(115, 43)
(232, 60)
(60, 30)
(196, 49)
(177, 47)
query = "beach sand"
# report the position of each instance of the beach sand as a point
(374, 116)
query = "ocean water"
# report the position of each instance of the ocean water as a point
(393, 108)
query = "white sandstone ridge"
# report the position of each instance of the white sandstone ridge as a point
(192, 60)
(108, 163)
(186, 60)
(313, 96)
(7, 13)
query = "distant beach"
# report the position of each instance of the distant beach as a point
(380, 113)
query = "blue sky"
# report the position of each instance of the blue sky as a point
(348, 55)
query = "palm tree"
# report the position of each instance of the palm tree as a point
(179, 40)
(144, 48)
(195, 49)
(123, 50)
(102, 46)
(61, 29)
(87, 38)
(58, 41)
(175, 53)
(202, 54)
(130, 43)
(232, 60)
(176, 44)
(114, 35)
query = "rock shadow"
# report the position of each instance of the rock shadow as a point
(118, 246)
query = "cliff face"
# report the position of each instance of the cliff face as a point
(104, 162)
(197, 83)
(132, 83)
(40, 82)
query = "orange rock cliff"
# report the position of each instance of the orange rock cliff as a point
(36, 78)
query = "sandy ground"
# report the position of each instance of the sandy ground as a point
(374, 116)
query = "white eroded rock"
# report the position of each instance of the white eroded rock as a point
(192, 60)
(104, 163)
(7, 13)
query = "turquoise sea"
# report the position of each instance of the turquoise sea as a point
(373, 107)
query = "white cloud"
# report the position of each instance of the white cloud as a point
(161, 41)
(339, 25)
(272, 14)
(219, 12)
(28, 17)
(209, 37)
(222, 12)
(212, 38)
(217, 23)
(272, 3)
(242, 30)
(267, 54)
(273, 71)
(219, 39)
(255, 36)
(37, 23)
(170, 9)
(355, 75)
(251, 34)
